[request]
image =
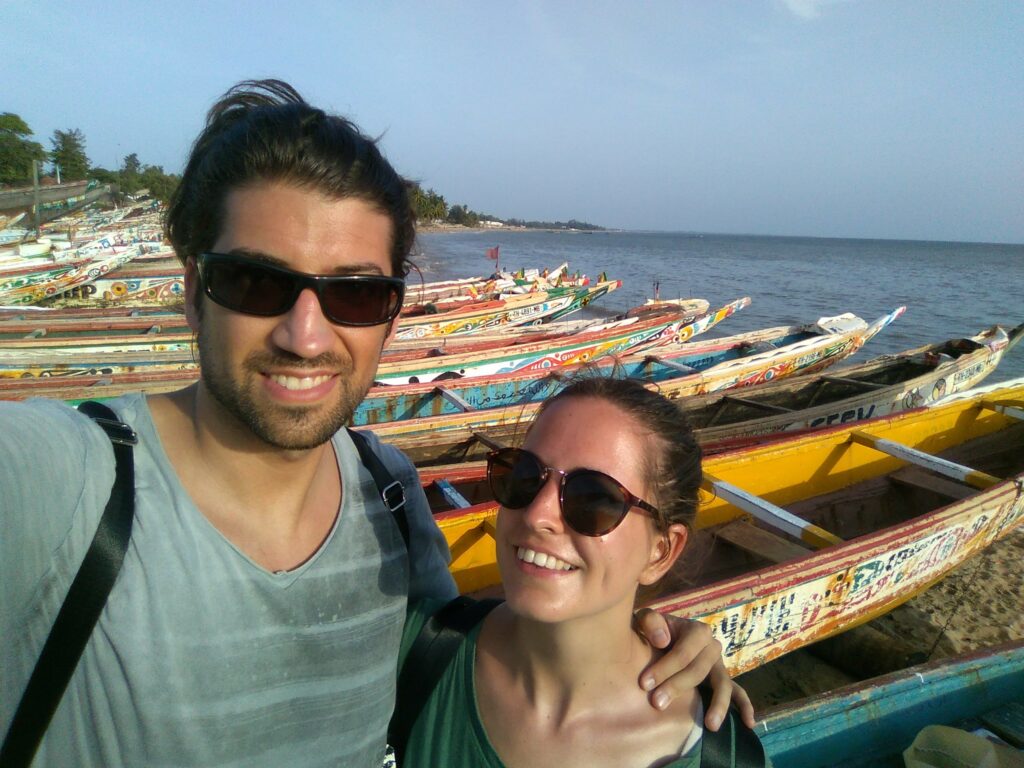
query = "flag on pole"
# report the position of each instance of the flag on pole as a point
(492, 253)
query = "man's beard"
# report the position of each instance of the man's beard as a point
(297, 427)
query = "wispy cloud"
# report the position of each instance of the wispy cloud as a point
(806, 9)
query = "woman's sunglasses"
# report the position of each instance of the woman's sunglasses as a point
(257, 288)
(593, 503)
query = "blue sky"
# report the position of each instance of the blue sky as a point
(807, 117)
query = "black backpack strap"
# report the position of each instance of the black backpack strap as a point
(431, 653)
(391, 491)
(83, 603)
(733, 745)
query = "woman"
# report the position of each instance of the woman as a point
(597, 503)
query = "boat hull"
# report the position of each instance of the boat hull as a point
(761, 612)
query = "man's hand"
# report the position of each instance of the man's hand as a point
(694, 655)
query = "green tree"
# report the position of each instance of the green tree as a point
(69, 153)
(103, 176)
(129, 176)
(160, 185)
(428, 205)
(17, 151)
(460, 214)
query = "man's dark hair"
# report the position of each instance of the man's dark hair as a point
(264, 131)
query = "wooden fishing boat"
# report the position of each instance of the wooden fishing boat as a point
(91, 347)
(695, 370)
(534, 307)
(523, 334)
(550, 351)
(24, 356)
(531, 382)
(31, 372)
(885, 385)
(21, 287)
(803, 538)
(505, 282)
(870, 724)
(61, 325)
(151, 357)
(142, 285)
(76, 386)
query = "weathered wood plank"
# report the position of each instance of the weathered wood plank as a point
(919, 478)
(926, 460)
(773, 515)
(761, 542)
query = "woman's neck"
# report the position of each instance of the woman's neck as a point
(568, 666)
(551, 695)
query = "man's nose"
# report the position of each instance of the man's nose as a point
(303, 330)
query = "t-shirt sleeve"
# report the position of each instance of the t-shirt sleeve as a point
(56, 472)
(429, 577)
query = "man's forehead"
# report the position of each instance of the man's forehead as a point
(306, 230)
(349, 268)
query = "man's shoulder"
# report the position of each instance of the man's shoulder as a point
(47, 425)
(393, 458)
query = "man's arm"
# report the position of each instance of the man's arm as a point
(693, 656)
(429, 578)
(54, 463)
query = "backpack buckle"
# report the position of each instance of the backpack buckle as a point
(393, 496)
(118, 431)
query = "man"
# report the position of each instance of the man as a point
(257, 615)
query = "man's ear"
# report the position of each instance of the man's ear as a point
(192, 297)
(665, 550)
(392, 331)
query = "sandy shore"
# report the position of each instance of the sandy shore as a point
(459, 228)
(978, 605)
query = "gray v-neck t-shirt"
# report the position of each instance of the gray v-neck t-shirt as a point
(202, 657)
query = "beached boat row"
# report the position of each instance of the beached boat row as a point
(832, 494)
(729, 419)
(815, 533)
(679, 370)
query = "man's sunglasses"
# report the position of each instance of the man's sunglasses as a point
(257, 288)
(593, 503)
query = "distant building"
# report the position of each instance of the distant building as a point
(492, 224)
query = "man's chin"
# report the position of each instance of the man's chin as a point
(298, 429)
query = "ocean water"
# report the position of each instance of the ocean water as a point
(949, 289)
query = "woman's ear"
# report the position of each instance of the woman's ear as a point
(665, 550)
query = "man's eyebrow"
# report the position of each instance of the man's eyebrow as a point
(364, 268)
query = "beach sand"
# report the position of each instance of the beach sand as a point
(979, 604)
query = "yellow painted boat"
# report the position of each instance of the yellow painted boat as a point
(812, 535)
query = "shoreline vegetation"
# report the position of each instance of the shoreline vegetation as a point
(443, 226)
(434, 214)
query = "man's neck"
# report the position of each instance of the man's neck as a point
(276, 505)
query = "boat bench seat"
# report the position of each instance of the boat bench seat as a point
(760, 542)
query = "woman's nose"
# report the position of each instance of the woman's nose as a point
(544, 513)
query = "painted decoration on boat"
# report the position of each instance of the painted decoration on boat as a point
(812, 607)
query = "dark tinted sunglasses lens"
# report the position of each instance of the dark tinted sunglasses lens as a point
(360, 302)
(515, 477)
(247, 287)
(592, 503)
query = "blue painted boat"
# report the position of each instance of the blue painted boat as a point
(386, 404)
(871, 723)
